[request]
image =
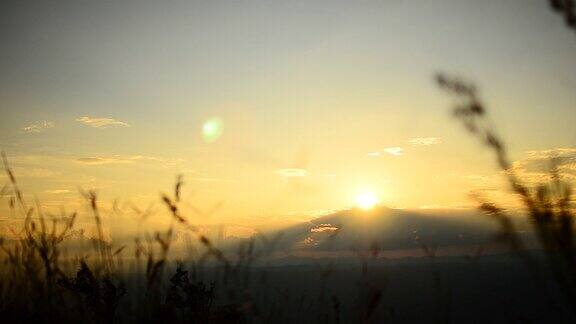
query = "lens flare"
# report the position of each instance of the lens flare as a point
(212, 129)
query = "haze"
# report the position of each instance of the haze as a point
(275, 112)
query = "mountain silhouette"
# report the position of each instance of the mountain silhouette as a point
(390, 229)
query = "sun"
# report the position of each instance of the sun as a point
(366, 200)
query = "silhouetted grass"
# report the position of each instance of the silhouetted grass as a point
(548, 204)
(567, 9)
(41, 283)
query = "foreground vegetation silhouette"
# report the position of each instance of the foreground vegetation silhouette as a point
(38, 282)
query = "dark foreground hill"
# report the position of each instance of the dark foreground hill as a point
(490, 289)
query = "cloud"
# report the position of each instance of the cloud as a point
(38, 127)
(563, 152)
(535, 169)
(324, 228)
(425, 141)
(101, 122)
(396, 151)
(105, 160)
(292, 172)
(57, 191)
(532, 171)
(119, 159)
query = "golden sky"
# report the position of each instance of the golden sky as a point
(275, 111)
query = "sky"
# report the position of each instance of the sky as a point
(275, 111)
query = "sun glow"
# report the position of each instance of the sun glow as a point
(366, 200)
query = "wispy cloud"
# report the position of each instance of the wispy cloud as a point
(101, 122)
(396, 151)
(38, 127)
(324, 228)
(563, 152)
(106, 160)
(536, 167)
(533, 170)
(292, 172)
(57, 191)
(119, 159)
(425, 141)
